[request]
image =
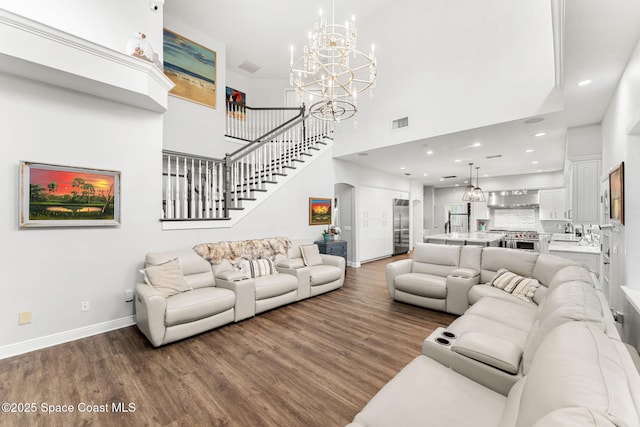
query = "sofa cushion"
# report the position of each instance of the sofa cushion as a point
(490, 350)
(577, 365)
(167, 278)
(573, 417)
(548, 265)
(323, 274)
(519, 262)
(425, 285)
(512, 313)
(476, 293)
(275, 285)
(197, 304)
(569, 274)
(256, 267)
(311, 255)
(570, 301)
(426, 393)
(474, 322)
(518, 286)
(439, 260)
(196, 270)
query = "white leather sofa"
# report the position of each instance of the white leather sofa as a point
(554, 361)
(217, 293)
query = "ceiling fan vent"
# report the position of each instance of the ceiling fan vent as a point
(400, 123)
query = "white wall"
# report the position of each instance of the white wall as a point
(621, 142)
(50, 271)
(584, 142)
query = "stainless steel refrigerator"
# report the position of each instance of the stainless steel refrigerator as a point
(400, 226)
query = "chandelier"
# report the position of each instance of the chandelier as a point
(473, 193)
(332, 69)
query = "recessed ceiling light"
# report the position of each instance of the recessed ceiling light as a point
(535, 162)
(485, 175)
(425, 174)
(584, 83)
(457, 185)
(534, 120)
(402, 168)
(540, 134)
(457, 160)
(441, 179)
(539, 170)
(429, 152)
(529, 150)
(477, 144)
(466, 182)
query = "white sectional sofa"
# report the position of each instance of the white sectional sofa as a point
(556, 360)
(213, 284)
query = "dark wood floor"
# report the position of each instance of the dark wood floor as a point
(313, 363)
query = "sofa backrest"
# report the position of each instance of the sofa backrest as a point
(548, 265)
(516, 261)
(571, 301)
(470, 257)
(432, 258)
(578, 366)
(197, 271)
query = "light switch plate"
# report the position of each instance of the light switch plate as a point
(24, 318)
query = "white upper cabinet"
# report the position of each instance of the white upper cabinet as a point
(585, 181)
(553, 204)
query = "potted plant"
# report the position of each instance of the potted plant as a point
(331, 233)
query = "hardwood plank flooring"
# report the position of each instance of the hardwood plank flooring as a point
(312, 363)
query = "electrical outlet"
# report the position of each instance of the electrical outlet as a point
(615, 249)
(128, 295)
(84, 306)
(24, 318)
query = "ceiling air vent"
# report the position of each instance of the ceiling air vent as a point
(400, 123)
(249, 67)
(450, 176)
(495, 156)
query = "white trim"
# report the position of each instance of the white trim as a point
(36, 51)
(66, 336)
(633, 296)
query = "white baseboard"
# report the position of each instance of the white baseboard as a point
(66, 336)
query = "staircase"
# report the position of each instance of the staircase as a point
(205, 192)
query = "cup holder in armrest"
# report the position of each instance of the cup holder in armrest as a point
(449, 335)
(443, 341)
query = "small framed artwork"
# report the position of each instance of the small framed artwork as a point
(191, 67)
(319, 211)
(616, 193)
(236, 103)
(66, 196)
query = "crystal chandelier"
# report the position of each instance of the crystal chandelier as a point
(332, 69)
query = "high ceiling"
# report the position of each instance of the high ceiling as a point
(595, 39)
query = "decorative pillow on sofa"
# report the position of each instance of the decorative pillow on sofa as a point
(167, 278)
(311, 255)
(256, 267)
(518, 286)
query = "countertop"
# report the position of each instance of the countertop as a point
(478, 236)
(570, 243)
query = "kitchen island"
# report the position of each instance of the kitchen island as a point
(474, 238)
(571, 247)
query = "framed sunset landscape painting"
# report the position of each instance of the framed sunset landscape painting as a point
(54, 196)
(319, 211)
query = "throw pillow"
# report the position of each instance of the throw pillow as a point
(311, 255)
(257, 267)
(518, 286)
(167, 278)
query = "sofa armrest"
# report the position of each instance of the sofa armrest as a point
(150, 313)
(334, 260)
(394, 269)
(459, 283)
(291, 263)
(232, 275)
(304, 279)
(245, 291)
(493, 351)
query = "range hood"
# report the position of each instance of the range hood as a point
(513, 199)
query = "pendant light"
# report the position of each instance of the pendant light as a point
(468, 190)
(477, 195)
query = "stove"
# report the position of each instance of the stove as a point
(525, 240)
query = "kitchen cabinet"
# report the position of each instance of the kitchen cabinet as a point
(585, 182)
(553, 204)
(376, 222)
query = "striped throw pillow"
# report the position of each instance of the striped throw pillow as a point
(257, 267)
(518, 286)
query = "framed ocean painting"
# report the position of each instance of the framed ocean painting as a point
(54, 196)
(191, 67)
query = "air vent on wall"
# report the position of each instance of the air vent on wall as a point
(400, 123)
(249, 67)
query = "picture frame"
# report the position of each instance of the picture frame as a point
(191, 67)
(616, 194)
(319, 211)
(236, 102)
(68, 196)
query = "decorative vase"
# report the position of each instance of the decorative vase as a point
(327, 237)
